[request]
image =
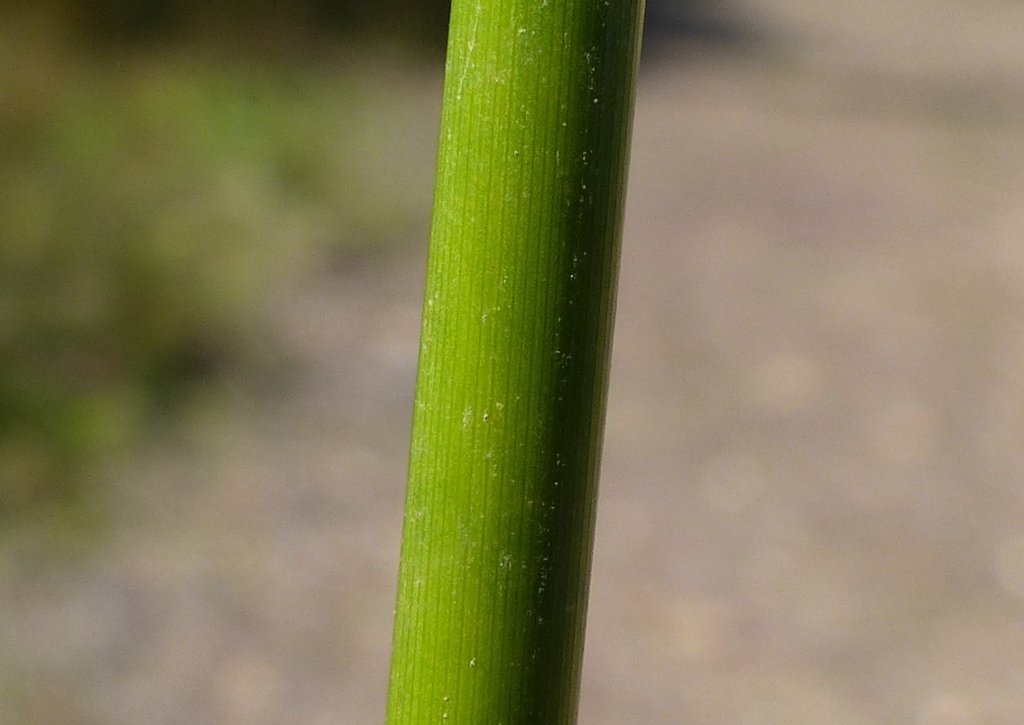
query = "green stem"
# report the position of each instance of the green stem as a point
(514, 357)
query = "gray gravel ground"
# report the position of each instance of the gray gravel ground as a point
(812, 505)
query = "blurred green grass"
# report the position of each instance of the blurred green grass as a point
(151, 207)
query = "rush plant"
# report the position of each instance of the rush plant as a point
(514, 356)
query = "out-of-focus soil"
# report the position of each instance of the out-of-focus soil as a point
(812, 502)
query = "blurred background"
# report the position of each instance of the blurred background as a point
(213, 222)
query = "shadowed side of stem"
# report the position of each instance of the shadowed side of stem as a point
(514, 361)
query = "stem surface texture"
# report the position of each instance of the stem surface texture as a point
(513, 367)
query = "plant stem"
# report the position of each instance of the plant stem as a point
(514, 355)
